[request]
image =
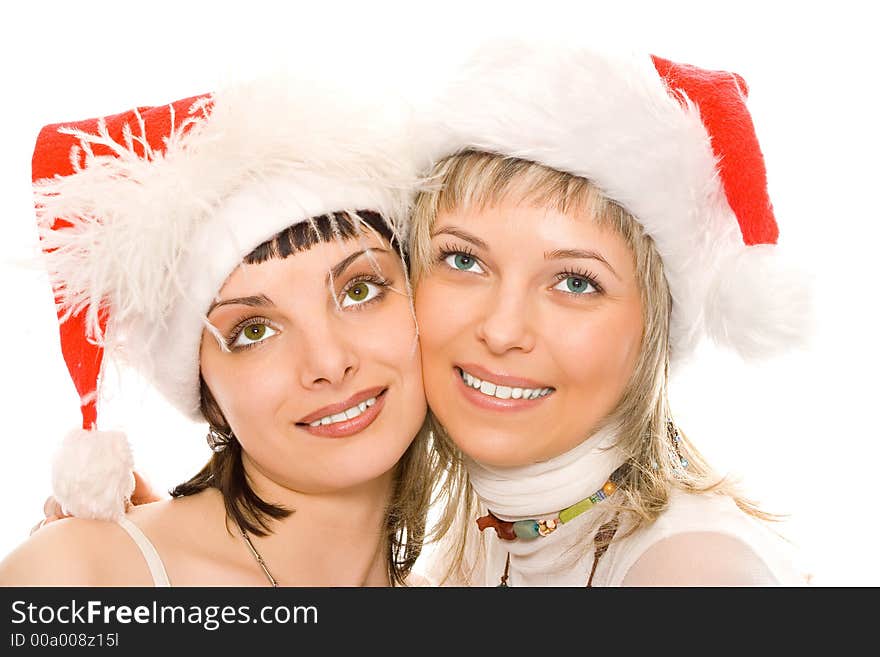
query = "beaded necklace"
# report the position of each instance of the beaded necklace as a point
(531, 529)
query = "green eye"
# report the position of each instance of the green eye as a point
(575, 285)
(463, 262)
(359, 293)
(253, 334)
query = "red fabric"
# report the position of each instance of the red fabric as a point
(52, 154)
(721, 96)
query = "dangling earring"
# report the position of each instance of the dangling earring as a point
(217, 439)
(675, 437)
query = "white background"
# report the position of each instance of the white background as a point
(801, 430)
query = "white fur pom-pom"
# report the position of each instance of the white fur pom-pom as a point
(92, 474)
(759, 304)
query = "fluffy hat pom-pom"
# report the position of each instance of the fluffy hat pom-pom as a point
(759, 304)
(92, 474)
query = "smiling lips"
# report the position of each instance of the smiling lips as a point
(498, 391)
(347, 417)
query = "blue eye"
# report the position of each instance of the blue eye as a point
(576, 285)
(463, 262)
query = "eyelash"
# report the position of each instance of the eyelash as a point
(449, 249)
(241, 325)
(583, 273)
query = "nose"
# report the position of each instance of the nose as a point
(505, 323)
(327, 355)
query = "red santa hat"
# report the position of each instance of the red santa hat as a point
(144, 214)
(674, 145)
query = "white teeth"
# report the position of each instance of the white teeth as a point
(503, 392)
(347, 414)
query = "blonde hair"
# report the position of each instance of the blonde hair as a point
(472, 179)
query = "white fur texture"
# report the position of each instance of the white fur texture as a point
(610, 119)
(92, 474)
(153, 237)
(759, 302)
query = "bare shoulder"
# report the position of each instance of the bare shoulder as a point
(74, 552)
(700, 558)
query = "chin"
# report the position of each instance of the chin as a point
(371, 461)
(497, 449)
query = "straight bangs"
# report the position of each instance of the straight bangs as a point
(342, 226)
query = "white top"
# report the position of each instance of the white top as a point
(707, 524)
(721, 544)
(151, 556)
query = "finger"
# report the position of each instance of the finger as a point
(51, 507)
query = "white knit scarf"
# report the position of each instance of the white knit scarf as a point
(542, 489)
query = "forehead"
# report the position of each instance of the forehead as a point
(527, 224)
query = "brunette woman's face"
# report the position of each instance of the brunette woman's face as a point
(321, 385)
(530, 327)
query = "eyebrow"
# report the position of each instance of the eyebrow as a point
(559, 254)
(462, 234)
(260, 300)
(339, 268)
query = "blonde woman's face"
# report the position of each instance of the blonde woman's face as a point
(530, 327)
(322, 384)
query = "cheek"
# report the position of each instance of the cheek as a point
(602, 354)
(389, 339)
(443, 313)
(247, 390)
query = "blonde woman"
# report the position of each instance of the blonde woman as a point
(242, 251)
(580, 235)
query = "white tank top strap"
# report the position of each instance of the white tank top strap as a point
(154, 561)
